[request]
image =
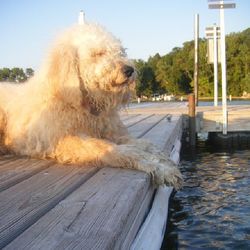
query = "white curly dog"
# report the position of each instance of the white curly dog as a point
(69, 110)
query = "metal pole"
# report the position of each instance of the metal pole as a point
(215, 68)
(196, 57)
(223, 71)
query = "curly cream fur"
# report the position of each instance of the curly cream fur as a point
(69, 110)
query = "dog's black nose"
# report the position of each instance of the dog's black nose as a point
(128, 70)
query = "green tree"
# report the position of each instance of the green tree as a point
(145, 82)
(17, 75)
(4, 74)
(238, 62)
(174, 71)
(29, 72)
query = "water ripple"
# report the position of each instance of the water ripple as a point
(212, 211)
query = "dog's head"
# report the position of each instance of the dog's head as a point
(89, 65)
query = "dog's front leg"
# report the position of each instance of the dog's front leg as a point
(81, 149)
(93, 151)
(149, 159)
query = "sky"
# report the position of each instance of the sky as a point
(145, 27)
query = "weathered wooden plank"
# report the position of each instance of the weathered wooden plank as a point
(136, 119)
(175, 134)
(165, 135)
(159, 108)
(212, 121)
(140, 217)
(153, 229)
(140, 129)
(160, 134)
(26, 202)
(126, 117)
(97, 215)
(209, 119)
(175, 153)
(20, 169)
(5, 160)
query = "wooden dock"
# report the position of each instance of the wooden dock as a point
(45, 205)
(209, 119)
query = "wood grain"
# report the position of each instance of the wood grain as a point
(97, 215)
(126, 117)
(140, 218)
(139, 129)
(166, 135)
(18, 170)
(209, 119)
(6, 160)
(26, 202)
(153, 229)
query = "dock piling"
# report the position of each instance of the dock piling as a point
(191, 114)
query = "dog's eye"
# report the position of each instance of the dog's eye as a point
(97, 53)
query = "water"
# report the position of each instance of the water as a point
(212, 211)
(201, 103)
(229, 103)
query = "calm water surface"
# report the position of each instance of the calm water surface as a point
(212, 211)
(201, 103)
(233, 102)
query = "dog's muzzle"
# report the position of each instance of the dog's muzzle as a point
(126, 77)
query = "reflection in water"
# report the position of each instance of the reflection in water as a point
(212, 211)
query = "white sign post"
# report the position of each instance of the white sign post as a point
(215, 68)
(221, 6)
(223, 71)
(213, 36)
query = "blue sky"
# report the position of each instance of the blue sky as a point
(145, 27)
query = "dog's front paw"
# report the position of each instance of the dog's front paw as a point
(162, 172)
(167, 174)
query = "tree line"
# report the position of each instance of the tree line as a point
(173, 73)
(15, 74)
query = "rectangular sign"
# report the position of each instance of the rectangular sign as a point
(211, 35)
(210, 32)
(221, 6)
(212, 28)
(210, 51)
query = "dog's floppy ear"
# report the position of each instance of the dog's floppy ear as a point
(63, 73)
